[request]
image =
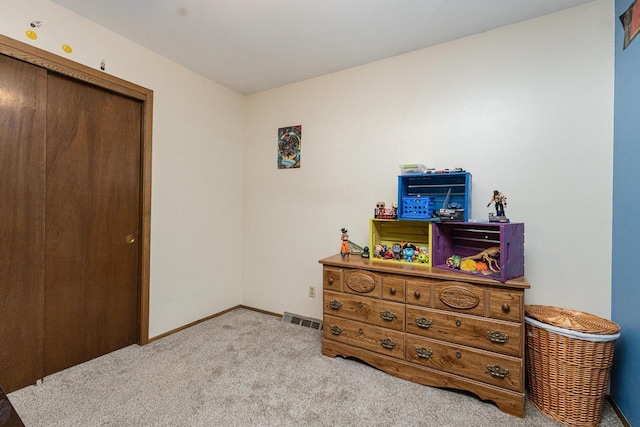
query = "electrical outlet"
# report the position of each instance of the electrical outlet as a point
(312, 291)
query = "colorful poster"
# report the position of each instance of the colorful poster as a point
(289, 139)
(630, 23)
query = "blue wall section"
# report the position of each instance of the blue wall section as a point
(625, 289)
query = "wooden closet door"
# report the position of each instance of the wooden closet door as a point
(92, 222)
(22, 139)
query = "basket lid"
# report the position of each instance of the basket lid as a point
(571, 319)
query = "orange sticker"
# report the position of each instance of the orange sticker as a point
(31, 34)
(67, 48)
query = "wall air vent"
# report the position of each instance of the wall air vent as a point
(307, 322)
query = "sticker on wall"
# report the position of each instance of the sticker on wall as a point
(32, 34)
(289, 139)
(630, 23)
(66, 48)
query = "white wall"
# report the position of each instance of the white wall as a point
(527, 109)
(197, 166)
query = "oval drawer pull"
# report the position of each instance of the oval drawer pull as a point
(336, 330)
(335, 304)
(497, 371)
(423, 322)
(424, 353)
(497, 336)
(416, 294)
(392, 291)
(330, 280)
(458, 354)
(388, 316)
(458, 322)
(388, 343)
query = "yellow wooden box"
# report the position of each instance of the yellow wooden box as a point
(387, 232)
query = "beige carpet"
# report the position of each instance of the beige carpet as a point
(248, 369)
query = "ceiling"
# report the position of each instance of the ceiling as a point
(255, 45)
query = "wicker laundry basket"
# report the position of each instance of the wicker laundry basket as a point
(568, 361)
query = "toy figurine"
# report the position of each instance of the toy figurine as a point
(394, 210)
(454, 262)
(378, 251)
(409, 252)
(396, 248)
(423, 255)
(490, 256)
(382, 212)
(345, 251)
(365, 252)
(500, 201)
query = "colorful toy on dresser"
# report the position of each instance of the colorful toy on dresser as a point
(429, 227)
(402, 251)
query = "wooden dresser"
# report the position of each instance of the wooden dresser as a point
(427, 325)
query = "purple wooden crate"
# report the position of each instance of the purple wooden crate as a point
(468, 239)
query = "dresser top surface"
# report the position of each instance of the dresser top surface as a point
(358, 262)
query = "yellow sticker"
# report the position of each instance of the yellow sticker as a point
(67, 48)
(31, 34)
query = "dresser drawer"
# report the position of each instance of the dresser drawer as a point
(506, 305)
(493, 335)
(466, 298)
(491, 368)
(362, 282)
(419, 291)
(393, 288)
(374, 311)
(364, 336)
(459, 296)
(332, 278)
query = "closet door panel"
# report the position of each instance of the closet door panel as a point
(93, 203)
(22, 138)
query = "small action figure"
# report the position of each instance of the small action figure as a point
(378, 251)
(409, 251)
(365, 252)
(397, 251)
(454, 262)
(423, 255)
(345, 251)
(500, 201)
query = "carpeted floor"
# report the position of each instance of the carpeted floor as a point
(248, 369)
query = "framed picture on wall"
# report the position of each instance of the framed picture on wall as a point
(630, 23)
(289, 139)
